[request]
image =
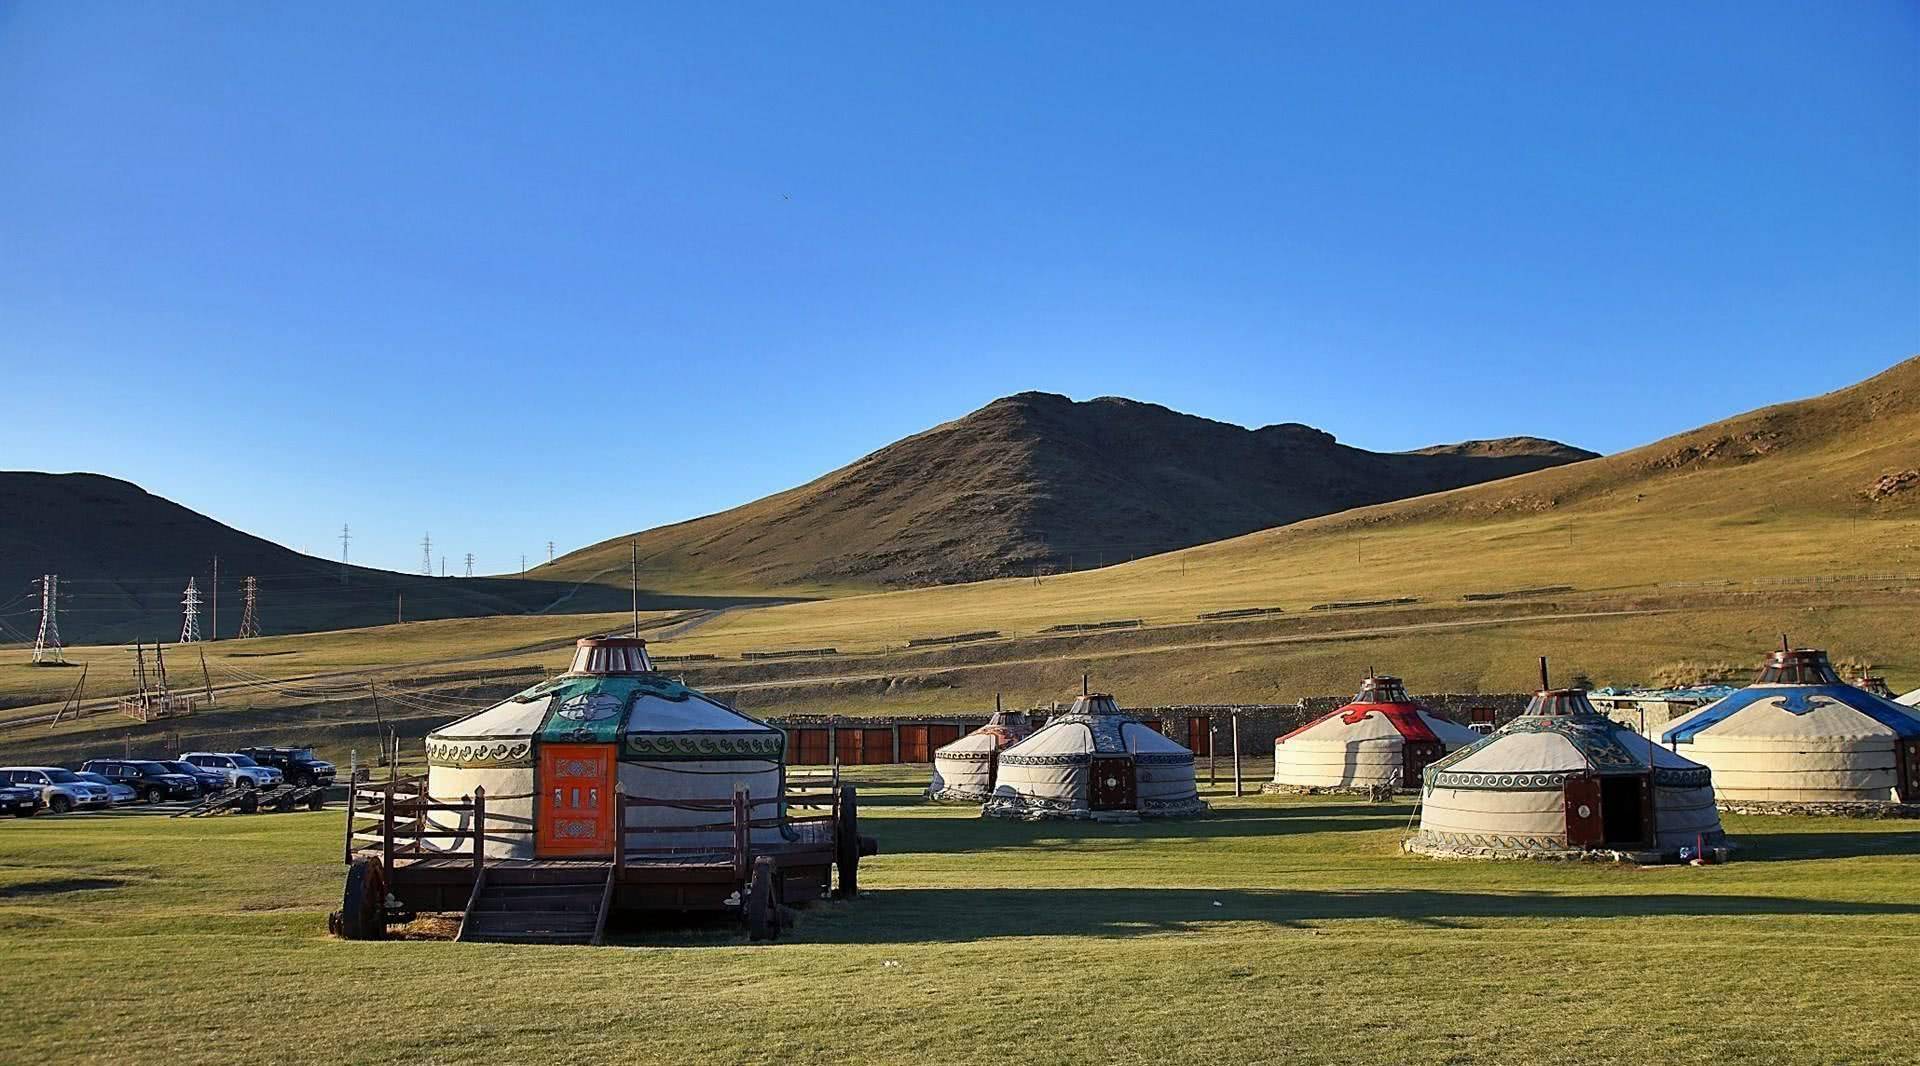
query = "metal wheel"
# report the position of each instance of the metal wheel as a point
(154, 795)
(363, 909)
(60, 804)
(763, 911)
(846, 842)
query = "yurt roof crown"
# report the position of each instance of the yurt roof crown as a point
(1382, 688)
(610, 655)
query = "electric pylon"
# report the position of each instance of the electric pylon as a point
(250, 609)
(190, 614)
(469, 564)
(426, 555)
(46, 646)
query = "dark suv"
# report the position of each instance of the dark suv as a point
(209, 781)
(297, 764)
(150, 780)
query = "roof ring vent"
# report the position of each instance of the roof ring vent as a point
(610, 655)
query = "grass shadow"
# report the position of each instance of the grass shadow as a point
(54, 886)
(1802, 847)
(906, 834)
(908, 915)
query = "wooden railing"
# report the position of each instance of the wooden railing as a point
(399, 809)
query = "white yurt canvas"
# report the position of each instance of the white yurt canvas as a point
(549, 758)
(1382, 738)
(1095, 761)
(1564, 781)
(965, 770)
(1798, 735)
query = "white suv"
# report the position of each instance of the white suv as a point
(61, 790)
(241, 771)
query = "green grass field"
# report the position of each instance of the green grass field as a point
(1272, 930)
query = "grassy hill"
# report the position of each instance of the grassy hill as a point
(124, 556)
(1039, 483)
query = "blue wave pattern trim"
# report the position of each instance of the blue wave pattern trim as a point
(1799, 699)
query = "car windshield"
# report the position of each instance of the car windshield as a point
(62, 777)
(178, 767)
(150, 769)
(242, 760)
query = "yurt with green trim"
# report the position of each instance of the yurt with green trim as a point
(1799, 738)
(550, 757)
(1565, 781)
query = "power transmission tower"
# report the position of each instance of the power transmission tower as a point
(46, 647)
(346, 535)
(190, 610)
(426, 555)
(549, 551)
(250, 609)
(469, 564)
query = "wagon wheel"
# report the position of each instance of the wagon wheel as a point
(363, 910)
(249, 802)
(763, 911)
(316, 801)
(846, 842)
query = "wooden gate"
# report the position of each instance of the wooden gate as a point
(1200, 736)
(913, 744)
(576, 816)
(1112, 785)
(808, 747)
(1585, 827)
(939, 736)
(863, 746)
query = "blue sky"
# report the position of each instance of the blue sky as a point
(519, 273)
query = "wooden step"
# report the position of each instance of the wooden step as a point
(539, 911)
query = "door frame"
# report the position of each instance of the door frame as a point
(1098, 766)
(1586, 827)
(611, 816)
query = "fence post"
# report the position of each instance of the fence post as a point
(742, 812)
(386, 830)
(1236, 753)
(619, 828)
(353, 800)
(479, 829)
(1213, 752)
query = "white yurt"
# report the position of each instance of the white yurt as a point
(965, 770)
(1799, 736)
(1380, 738)
(549, 757)
(1565, 781)
(1095, 761)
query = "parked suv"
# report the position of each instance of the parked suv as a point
(20, 801)
(210, 781)
(149, 780)
(241, 771)
(61, 790)
(298, 764)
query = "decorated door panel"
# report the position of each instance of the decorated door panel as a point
(1415, 755)
(1112, 787)
(1585, 826)
(576, 815)
(1910, 770)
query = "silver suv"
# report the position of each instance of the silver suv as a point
(61, 790)
(241, 771)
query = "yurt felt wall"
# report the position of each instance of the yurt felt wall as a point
(1365, 743)
(964, 771)
(1053, 772)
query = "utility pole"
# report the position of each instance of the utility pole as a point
(443, 566)
(426, 554)
(549, 551)
(346, 535)
(214, 634)
(250, 609)
(399, 608)
(46, 646)
(633, 583)
(469, 564)
(523, 564)
(190, 611)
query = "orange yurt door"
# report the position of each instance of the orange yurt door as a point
(576, 815)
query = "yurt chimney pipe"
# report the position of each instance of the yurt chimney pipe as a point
(1543, 674)
(1085, 682)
